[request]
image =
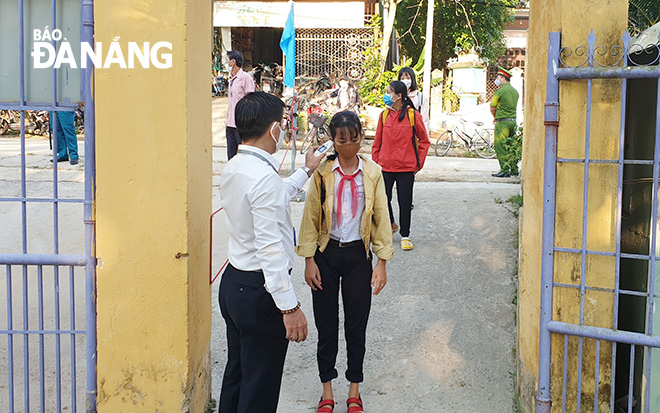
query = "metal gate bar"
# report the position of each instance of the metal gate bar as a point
(27, 261)
(642, 342)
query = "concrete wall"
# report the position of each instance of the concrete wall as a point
(153, 206)
(575, 19)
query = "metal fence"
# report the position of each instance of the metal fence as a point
(600, 320)
(332, 51)
(48, 317)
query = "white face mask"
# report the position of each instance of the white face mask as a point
(406, 82)
(278, 142)
(343, 84)
(497, 82)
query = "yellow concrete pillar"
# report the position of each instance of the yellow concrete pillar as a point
(574, 19)
(153, 139)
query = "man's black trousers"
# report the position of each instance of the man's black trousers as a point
(233, 140)
(256, 344)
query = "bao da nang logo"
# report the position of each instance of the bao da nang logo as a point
(44, 54)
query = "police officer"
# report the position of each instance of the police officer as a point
(503, 107)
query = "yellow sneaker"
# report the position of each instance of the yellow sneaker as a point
(395, 228)
(406, 244)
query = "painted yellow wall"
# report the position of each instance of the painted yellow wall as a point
(154, 159)
(575, 19)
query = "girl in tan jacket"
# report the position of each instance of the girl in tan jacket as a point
(345, 219)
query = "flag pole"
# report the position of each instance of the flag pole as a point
(294, 114)
(288, 46)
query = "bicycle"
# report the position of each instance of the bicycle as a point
(318, 132)
(481, 141)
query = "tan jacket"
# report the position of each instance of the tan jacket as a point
(375, 228)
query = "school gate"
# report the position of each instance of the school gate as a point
(598, 344)
(47, 297)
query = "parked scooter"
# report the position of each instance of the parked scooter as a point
(79, 120)
(220, 84)
(41, 122)
(272, 80)
(256, 72)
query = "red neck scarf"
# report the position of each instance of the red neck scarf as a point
(340, 192)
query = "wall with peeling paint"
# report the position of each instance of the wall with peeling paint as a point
(153, 206)
(574, 19)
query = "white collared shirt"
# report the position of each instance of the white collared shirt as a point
(256, 201)
(350, 226)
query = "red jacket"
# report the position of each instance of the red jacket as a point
(393, 146)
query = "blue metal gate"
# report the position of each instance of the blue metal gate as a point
(49, 320)
(604, 368)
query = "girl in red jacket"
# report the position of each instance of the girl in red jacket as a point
(400, 148)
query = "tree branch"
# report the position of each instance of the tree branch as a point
(419, 6)
(469, 24)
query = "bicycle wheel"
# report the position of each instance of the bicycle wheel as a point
(443, 144)
(323, 136)
(309, 138)
(484, 146)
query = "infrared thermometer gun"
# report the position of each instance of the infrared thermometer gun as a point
(323, 149)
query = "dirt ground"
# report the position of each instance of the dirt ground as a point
(441, 336)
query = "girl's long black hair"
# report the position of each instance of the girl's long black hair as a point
(400, 88)
(413, 79)
(348, 120)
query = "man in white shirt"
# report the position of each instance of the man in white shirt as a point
(257, 299)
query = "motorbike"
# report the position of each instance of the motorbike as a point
(220, 84)
(11, 120)
(324, 83)
(272, 80)
(256, 73)
(79, 120)
(41, 122)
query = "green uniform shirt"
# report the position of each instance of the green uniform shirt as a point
(505, 99)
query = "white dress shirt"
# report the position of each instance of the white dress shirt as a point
(256, 201)
(350, 226)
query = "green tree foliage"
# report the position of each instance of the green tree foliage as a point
(459, 26)
(642, 14)
(374, 81)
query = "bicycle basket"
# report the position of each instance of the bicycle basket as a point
(317, 120)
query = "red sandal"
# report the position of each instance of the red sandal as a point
(323, 406)
(355, 409)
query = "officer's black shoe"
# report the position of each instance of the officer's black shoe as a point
(62, 159)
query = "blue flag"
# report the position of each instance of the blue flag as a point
(288, 46)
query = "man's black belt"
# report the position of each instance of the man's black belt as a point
(346, 244)
(505, 119)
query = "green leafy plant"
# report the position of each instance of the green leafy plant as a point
(450, 98)
(516, 202)
(216, 65)
(513, 147)
(642, 14)
(374, 82)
